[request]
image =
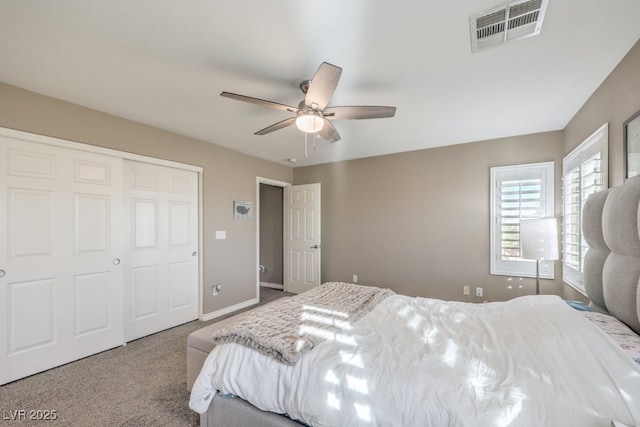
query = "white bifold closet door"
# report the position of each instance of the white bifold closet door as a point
(60, 241)
(95, 250)
(161, 259)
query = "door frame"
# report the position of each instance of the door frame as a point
(81, 146)
(275, 183)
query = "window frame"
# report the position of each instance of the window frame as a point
(596, 142)
(520, 267)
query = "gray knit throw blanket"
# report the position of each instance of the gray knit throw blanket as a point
(289, 327)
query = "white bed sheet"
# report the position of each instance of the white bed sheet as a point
(531, 361)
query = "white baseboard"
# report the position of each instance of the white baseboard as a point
(272, 285)
(230, 309)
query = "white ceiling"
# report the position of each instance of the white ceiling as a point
(165, 62)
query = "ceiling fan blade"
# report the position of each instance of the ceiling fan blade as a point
(322, 86)
(356, 112)
(329, 132)
(260, 102)
(277, 126)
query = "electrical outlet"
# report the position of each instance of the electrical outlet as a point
(478, 292)
(215, 289)
(355, 278)
(466, 290)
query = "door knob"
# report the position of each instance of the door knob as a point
(315, 247)
(2, 273)
(116, 261)
(194, 253)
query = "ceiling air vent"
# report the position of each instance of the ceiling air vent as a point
(501, 24)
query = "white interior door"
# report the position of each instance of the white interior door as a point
(161, 263)
(301, 237)
(60, 230)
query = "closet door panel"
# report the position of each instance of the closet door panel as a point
(179, 224)
(145, 224)
(96, 248)
(60, 213)
(144, 292)
(161, 283)
(92, 223)
(182, 246)
(31, 315)
(92, 302)
(31, 221)
(180, 276)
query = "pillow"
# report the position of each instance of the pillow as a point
(578, 305)
(618, 331)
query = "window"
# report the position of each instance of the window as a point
(584, 171)
(518, 192)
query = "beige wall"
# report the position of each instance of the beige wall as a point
(227, 176)
(617, 98)
(418, 222)
(408, 222)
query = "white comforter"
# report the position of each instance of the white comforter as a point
(532, 361)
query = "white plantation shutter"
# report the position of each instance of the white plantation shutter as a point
(518, 192)
(571, 220)
(584, 173)
(519, 199)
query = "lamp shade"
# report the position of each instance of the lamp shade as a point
(539, 239)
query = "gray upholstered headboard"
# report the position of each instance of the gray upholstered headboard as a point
(612, 263)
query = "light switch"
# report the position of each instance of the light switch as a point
(221, 235)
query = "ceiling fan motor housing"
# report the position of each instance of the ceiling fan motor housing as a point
(304, 86)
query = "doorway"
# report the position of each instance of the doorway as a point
(270, 266)
(270, 234)
(299, 255)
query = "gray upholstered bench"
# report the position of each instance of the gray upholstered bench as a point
(200, 344)
(228, 411)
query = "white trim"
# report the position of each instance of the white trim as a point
(268, 181)
(583, 149)
(598, 141)
(200, 247)
(520, 268)
(80, 146)
(279, 286)
(582, 291)
(231, 309)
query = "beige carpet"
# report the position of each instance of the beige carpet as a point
(140, 384)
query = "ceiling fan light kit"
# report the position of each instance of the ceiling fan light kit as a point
(309, 121)
(312, 115)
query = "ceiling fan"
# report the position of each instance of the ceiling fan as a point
(312, 114)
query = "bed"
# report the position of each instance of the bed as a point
(376, 358)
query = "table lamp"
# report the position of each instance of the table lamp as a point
(539, 241)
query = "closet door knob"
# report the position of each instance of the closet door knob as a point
(194, 253)
(2, 273)
(116, 261)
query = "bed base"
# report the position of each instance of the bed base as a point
(236, 412)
